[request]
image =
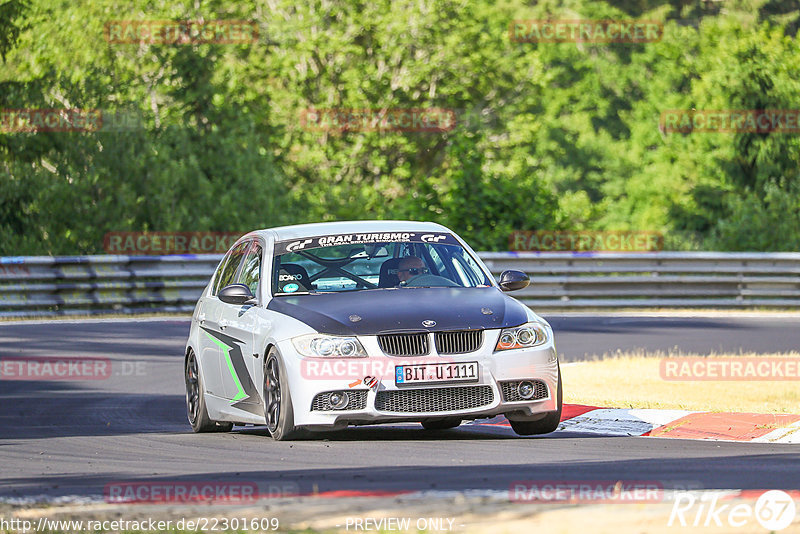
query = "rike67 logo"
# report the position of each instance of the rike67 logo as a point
(774, 510)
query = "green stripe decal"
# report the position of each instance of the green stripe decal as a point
(226, 350)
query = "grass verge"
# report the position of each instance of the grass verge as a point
(633, 380)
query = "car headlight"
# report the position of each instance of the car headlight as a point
(325, 346)
(522, 337)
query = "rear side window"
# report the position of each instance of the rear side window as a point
(228, 270)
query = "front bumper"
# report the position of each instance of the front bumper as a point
(312, 379)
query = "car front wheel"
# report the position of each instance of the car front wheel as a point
(278, 410)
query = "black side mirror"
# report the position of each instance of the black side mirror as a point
(513, 280)
(238, 294)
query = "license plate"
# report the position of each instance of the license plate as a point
(436, 372)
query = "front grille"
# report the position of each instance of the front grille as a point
(358, 401)
(458, 342)
(510, 394)
(434, 400)
(404, 344)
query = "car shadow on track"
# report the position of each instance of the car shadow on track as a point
(413, 432)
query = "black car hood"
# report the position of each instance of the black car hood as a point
(403, 310)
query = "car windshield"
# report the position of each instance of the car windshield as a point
(378, 265)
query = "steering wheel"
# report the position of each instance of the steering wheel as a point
(430, 280)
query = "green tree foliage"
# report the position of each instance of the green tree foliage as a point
(547, 135)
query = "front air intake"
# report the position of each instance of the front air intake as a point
(458, 342)
(404, 344)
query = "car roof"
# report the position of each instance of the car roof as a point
(297, 231)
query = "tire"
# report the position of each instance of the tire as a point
(547, 424)
(196, 402)
(441, 424)
(278, 410)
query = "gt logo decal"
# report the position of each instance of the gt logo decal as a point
(232, 354)
(430, 238)
(297, 245)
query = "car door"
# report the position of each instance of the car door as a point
(238, 324)
(212, 330)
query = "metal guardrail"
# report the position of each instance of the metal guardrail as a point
(43, 285)
(655, 279)
(68, 285)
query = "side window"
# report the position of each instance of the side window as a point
(476, 271)
(228, 272)
(460, 271)
(218, 273)
(467, 268)
(251, 269)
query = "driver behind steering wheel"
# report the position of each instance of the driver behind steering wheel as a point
(410, 267)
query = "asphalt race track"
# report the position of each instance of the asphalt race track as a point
(62, 438)
(580, 336)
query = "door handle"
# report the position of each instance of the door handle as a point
(223, 324)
